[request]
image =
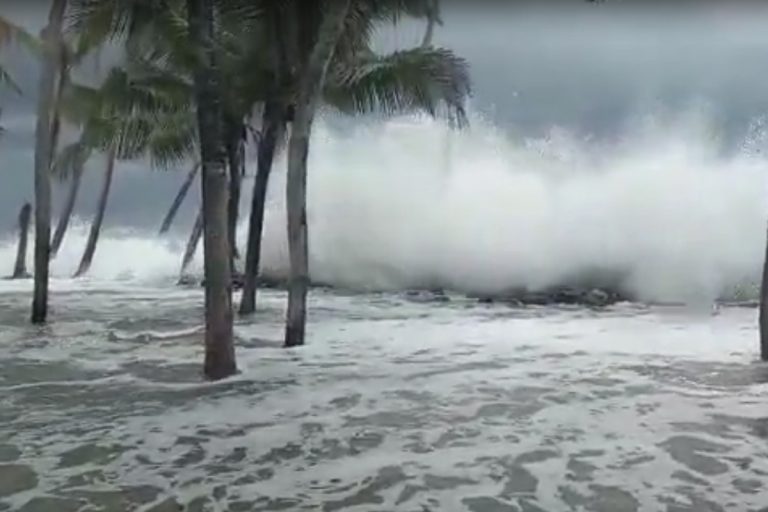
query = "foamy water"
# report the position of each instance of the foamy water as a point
(393, 405)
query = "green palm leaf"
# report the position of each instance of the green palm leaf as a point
(430, 80)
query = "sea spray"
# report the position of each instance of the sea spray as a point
(660, 206)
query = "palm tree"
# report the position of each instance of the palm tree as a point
(219, 344)
(310, 88)
(425, 79)
(155, 36)
(128, 116)
(51, 69)
(73, 163)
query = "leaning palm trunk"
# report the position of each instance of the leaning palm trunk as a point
(63, 64)
(219, 346)
(43, 146)
(235, 157)
(93, 236)
(764, 309)
(272, 126)
(192, 243)
(180, 196)
(311, 85)
(20, 269)
(433, 17)
(66, 213)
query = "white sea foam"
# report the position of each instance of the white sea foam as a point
(408, 203)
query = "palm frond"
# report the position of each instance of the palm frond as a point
(430, 80)
(173, 140)
(70, 160)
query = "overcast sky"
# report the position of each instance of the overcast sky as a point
(588, 68)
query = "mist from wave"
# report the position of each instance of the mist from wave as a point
(409, 203)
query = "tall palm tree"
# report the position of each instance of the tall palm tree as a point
(310, 88)
(155, 34)
(219, 343)
(126, 117)
(426, 79)
(72, 170)
(51, 69)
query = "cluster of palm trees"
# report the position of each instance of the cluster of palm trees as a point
(197, 81)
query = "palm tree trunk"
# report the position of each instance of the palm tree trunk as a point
(43, 144)
(219, 343)
(66, 213)
(764, 308)
(192, 242)
(180, 196)
(272, 126)
(63, 64)
(234, 147)
(93, 236)
(433, 17)
(20, 269)
(310, 88)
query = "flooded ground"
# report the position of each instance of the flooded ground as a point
(395, 405)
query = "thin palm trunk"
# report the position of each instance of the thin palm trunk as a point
(234, 147)
(180, 196)
(66, 213)
(192, 243)
(20, 269)
(219, 343)
(43, 145)
(63, 64)
(432, 19)
(93, 235)
(310, 88)
(764, 308)
(272, 126)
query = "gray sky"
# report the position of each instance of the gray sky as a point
(587, 68)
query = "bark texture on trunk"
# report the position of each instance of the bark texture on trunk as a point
(764, 308)
(310, 87)
(43, 146)
(235, 157)
(272, 127)
(66, 212)
(93, 235)
(219, 345)
(192, 242)
(20, 268)
(180, 196)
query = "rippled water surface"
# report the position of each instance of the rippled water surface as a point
(395, 404)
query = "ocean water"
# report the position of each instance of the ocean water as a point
(420, 402)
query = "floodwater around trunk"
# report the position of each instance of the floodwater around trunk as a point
(394, 404)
